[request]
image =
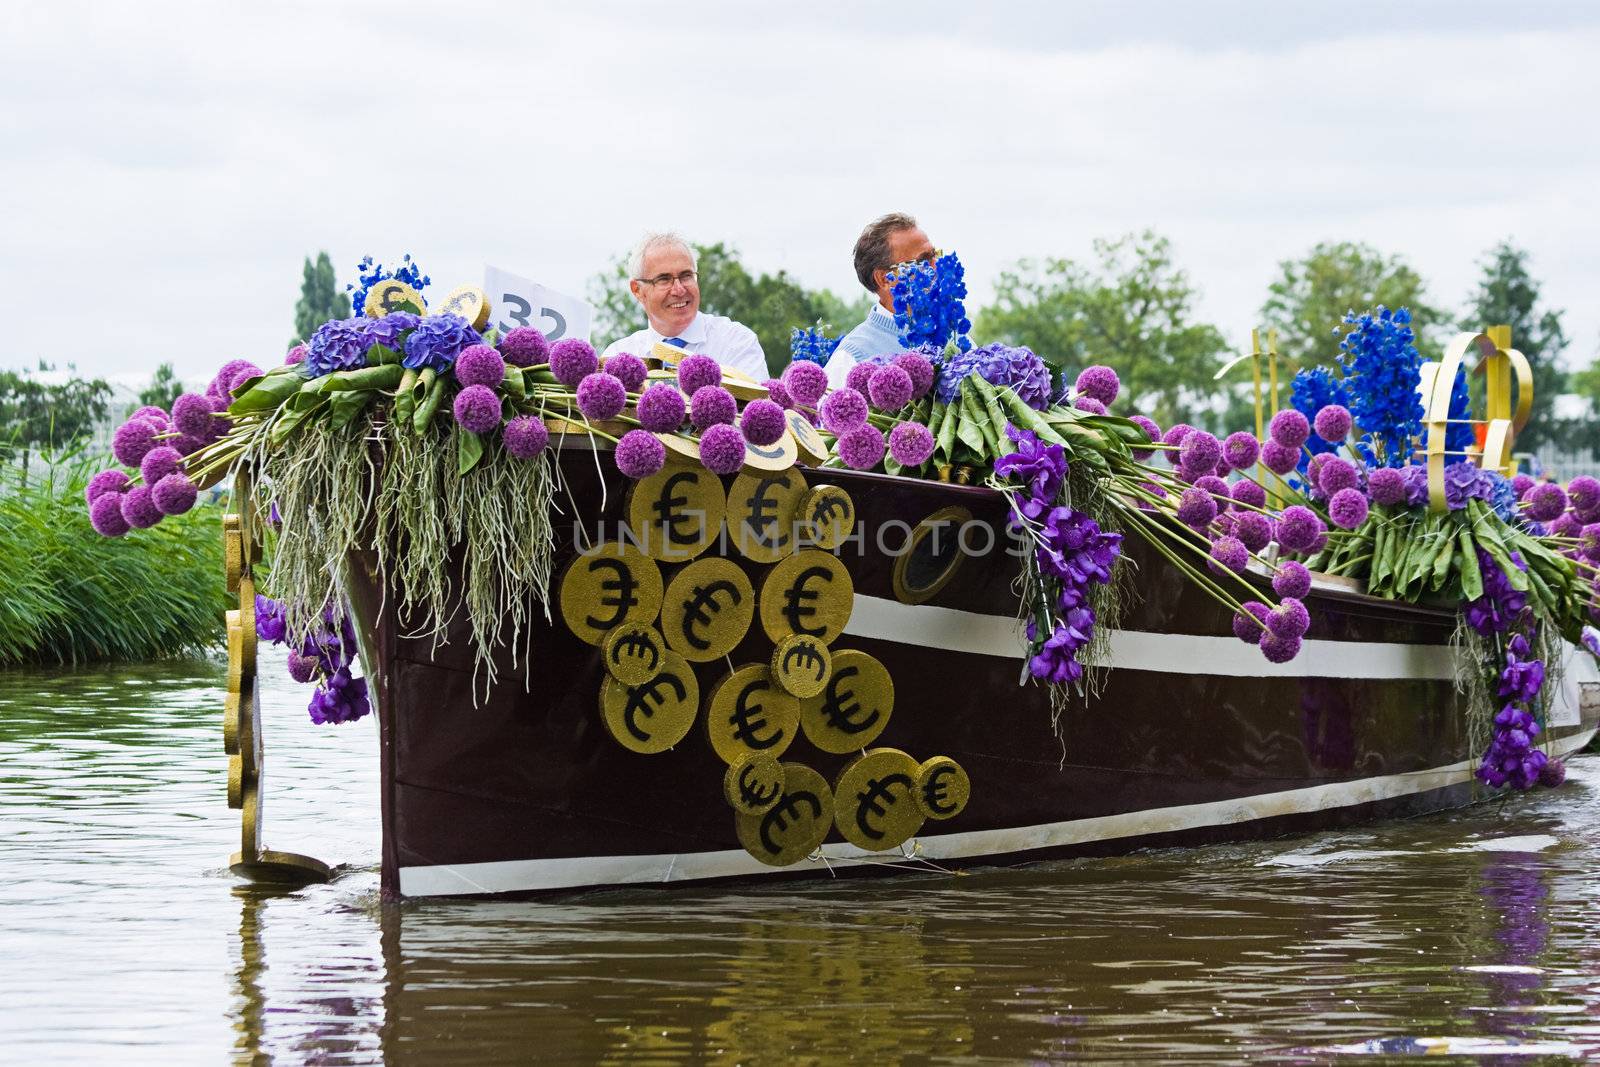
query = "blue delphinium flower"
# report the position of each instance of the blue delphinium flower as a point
(928, 307)
(1382, 369)
(811, 344)
(1459, 436)
(1314, 389)
(370, 273)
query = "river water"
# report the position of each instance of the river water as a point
(124, 937)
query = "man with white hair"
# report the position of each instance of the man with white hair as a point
(663, 279)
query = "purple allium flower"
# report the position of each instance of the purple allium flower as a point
(1279, 649)
(241, 374)
(1250, 624)
(133, 441)
(1553, 773)
(1522, 484)
(629, 370)
(1297, 528)
(762, 422)
(138, 509)
(1546, 502)
(1333, 423)
(921, 370)
(640, 454)
(1292, 580)
(192, 414)
(1589, 542)
(338, 344)
(1225, 522)
(480, 365)
(806, 382)
(661, 408)
(1252, 528)
(572, 359)
(1216, 487)
(695, 372)
(1289, 619)
(722, 449)
(1336, 473)
(1347, 509)
(1173, 438)
(230, 374)
(151, 413)
(1241, 450)
(188, 445)
(1280, 458)
(778, 393)
(526, 435)
(1229, 553)
(525, 346)
(107, 481)
(843, 411)
(105, 515)
(601, 396)
(1584, 492)
(911, 443)
(302, 668)
(1099, 382)
(1200, 452)
(159, 462)
(438, 340)
(859, 377)
(174, 494)
(296, 356)
(1151, 430)
(1249, 494)
(1196, 508)
(1289, 428)
(1089, 404)
(477, 409)
(711, 405)
(862, 447)
(889, 388)
(1387, 486)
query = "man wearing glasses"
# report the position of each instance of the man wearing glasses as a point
(661, 273)
(892, 239)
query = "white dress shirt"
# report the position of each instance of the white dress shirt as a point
(732, 344)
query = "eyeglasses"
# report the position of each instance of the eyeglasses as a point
(663, 281)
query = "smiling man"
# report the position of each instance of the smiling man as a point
(892, 239)
(662, 277)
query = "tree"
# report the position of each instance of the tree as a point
(1131, 310)
(1308, 302)
(163, 389)
(320, 298)
(34, 415)
(770, 304)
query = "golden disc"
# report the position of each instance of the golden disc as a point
(469, 302)
(633, 653)
(801, 665)
(853, 708)
(607, 586)
(809, 593)
(390, 295)
(683, 448)
(707, 609)
(676, 512)
(747, 712)
(943, 788)
(761, 513)
(827, 515)
(811, 449)
(875, 804)
(779, 456)
(795, 825)
(753, 783)
(656, 715)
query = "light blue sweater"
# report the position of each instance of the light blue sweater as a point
(876, 335)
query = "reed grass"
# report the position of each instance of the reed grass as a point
(68, 595)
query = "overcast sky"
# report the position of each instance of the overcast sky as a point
(166, 167)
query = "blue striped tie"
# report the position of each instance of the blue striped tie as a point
(675, 342)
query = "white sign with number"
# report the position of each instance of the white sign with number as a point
(515, 301)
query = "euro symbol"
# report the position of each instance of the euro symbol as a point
(874, 801)
(636, 644)
(824, 509)
(808, 656)
(797, 598)
(748, 721)
(760, 519)
(933, 791)
(841, 708)
(616, 592)
(751, 792)
(695, 609)
(770, 452)
(666, 509)
(786, 809)
(639, 697)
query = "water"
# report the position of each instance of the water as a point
(124, 937)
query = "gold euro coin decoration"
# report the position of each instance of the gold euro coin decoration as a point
(802, 665)
(469, 302)
(810, 448)
(707, 609)
(827, 515)
(747, 712)
(778, 456)
(807, 593)
(943, 788)
(875, 803)
(854, 706)
(753, 783)
(391, 295)
(633, 653)
(761, 513)
(655, 715)
(676, 512)
(610, 584)
(795, 825)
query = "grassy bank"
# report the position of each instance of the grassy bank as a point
(68, 595)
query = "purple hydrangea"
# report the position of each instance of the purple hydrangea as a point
(629, 369)
(763, 423)
(722, 449)
(806, 382)
(387, 331)
(174, 494)
(695, 372)
(525, 346)
(601, 396)
(661, 408)
(1292, 579)
(712, 405)
(1289, 428)
(105, 515)
(911, 444)
(526, 436)
(999, 365)
(843, 411)
(437, 341)
(479, 365)
(640, 454)
(107, 481)
(889, 388)
(477, 409)
(862, 446)
(138, 509)
(338, 344)
(1100, 383)
(1416, 482)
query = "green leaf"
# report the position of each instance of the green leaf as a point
(469, 449)
(382, 355)
(268, 392)
(969, 422)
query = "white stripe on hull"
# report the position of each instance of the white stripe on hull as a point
(527, 875)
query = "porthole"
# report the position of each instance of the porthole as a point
(932, 556)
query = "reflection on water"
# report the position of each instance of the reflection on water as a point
(122, 934)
